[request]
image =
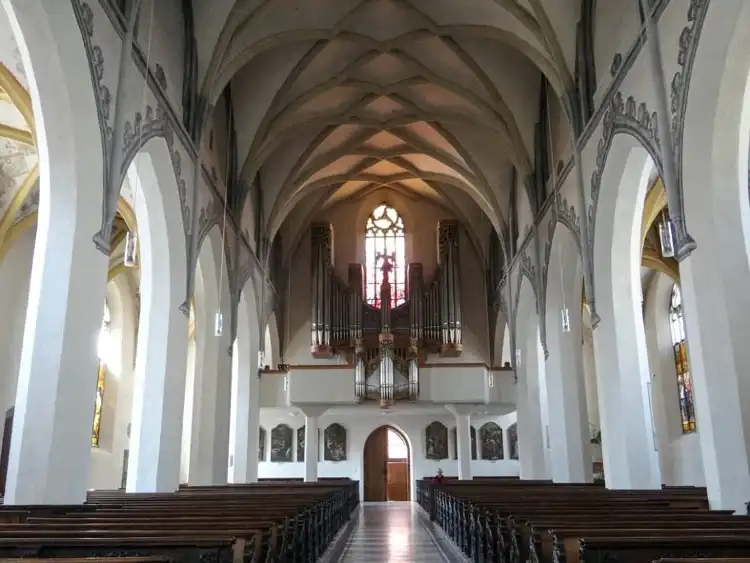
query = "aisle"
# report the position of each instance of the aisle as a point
(391, 533)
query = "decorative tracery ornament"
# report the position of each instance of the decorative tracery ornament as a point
(681, 362)
(385, 246)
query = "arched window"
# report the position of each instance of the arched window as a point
(384, 237)
(681, 363)
(104, 350)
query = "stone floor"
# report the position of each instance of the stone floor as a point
(393, 532)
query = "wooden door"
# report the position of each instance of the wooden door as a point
(5, 448)
(376, 466)
(398, 480)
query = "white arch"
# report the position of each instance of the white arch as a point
(531, 394)
(245, 408)
(208, 388)
(568, 429)
(715, 277)
(159, 391)
(271, 348)
(49, 455)
(623, 376)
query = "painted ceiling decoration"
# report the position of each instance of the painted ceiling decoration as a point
(19, 161)
(431, 98)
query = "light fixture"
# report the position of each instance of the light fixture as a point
(565, 318)
(131, 249)
(219, 324)
(666, 236)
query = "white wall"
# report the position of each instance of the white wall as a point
(15, 272)
(360, 426)
(680, 456)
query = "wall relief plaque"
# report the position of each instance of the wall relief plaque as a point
(436, 441)
(335, 442)
(301, 444)
(492, 441)
(281, 443)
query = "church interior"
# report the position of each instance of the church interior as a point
(374, 280)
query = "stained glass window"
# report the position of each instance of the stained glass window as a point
(103, 351)
(681, 362)
(384, 237)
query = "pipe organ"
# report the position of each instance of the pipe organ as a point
(386, 345)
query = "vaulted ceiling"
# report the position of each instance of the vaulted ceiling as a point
(333, 99)
(19, 170)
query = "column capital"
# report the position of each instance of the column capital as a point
(461, 409)
(312, 411)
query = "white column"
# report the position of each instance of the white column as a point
(220, 473)
(311, 449)
(531, 436)
(716, 388)
(312, 416)
(463, 438)
(245, 419)
(200, 401)
(566, 401)
(623, 382)
(54, 406)
(159, 396)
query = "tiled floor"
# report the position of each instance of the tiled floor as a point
(391, 532)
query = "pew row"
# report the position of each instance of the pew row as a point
(511, 521)
(254, 523)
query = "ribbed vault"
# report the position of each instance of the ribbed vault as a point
(434, 98)
(19, 163)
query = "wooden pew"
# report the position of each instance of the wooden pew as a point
(510, 520)
(230, 524)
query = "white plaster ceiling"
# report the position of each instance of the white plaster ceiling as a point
(19, 187)
(435, 98)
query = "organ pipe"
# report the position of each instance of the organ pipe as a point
(342, 320)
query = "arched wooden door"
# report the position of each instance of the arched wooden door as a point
(384, 478)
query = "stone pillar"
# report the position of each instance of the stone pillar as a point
(159, 395)
(245, 418)
(220, 472)
(623, 382)
(463, 438)
(312, 416)
(51, 443)
(531, 437)
(566, 400)
(716, 386)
